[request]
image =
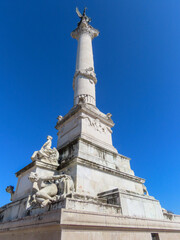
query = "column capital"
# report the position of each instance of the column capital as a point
(84, 26)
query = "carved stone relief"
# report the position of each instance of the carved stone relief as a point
(85, 98)
(49, 189)
(97, 125)
(87, 73)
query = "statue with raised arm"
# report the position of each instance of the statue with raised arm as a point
(49, 189)
(46, 153)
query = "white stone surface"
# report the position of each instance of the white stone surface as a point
(24, 185)
(91, 182)
(84, 79)
(140, 206)
(46, 153)
(104, 157)
(134, 204)
(68, 131)
(88, 123)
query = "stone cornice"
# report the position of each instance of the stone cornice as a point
(36, 164)
(102, 168)
(81, 139)
(95, 113)
(86, 108)
(111, 171)
(126, 192)
(75, 219)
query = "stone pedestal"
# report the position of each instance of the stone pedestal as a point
(24, 186)
(134, 204)
(69, 224)
(87, 122)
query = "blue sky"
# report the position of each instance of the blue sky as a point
(137, 57)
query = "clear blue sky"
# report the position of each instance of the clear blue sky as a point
(137, 62)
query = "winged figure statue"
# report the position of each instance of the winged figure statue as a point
(83, 16)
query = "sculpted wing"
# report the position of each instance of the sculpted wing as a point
(78, 13)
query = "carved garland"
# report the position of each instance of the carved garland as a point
(87, 73)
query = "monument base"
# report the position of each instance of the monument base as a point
(65, 224)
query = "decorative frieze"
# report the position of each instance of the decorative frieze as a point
(97, 125)
(85, 98)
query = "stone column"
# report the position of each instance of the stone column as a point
(84, 78)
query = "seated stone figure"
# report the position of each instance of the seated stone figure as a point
(46, 153)
(50, 188)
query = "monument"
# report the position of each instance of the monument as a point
(83, 189)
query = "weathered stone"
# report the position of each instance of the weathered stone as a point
(47, 190)
(46, 153)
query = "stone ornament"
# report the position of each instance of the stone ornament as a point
(83, 26)
(46, 153)
(87, 73)
(97, 125)
(85, 98)
(109, 115)
(10, 189)
(168, 214)
(145, 191)
(81, 16)
(59, 118)
(65, 185)
(49, 189)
